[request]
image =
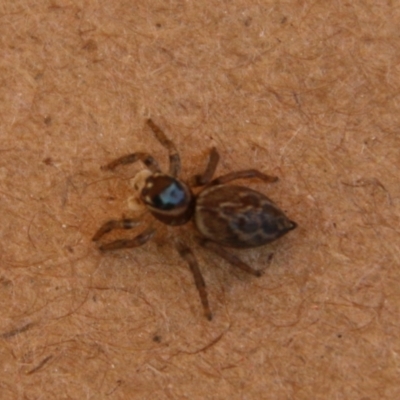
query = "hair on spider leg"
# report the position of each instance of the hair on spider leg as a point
(225, 215)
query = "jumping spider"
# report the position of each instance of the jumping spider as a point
(224, 215)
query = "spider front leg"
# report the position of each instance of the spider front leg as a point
(189, 257)
(109, 226)
(174, 158)
(124, 223)
(146, 159)
(137, 241)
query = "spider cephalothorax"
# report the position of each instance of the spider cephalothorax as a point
(224, 215)
(169, 200)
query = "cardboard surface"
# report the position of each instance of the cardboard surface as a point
(307, 91)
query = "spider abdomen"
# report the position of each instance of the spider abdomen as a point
(236, 216)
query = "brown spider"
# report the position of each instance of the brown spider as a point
(225, 215)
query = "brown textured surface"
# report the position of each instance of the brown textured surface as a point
(307, 91)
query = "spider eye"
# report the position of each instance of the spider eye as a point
(163, 192)
(170, 197)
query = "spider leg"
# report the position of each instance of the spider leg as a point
(109, 226)
(230, 257)
(244, 174)
(203, 179)
(189, 257)
(174, 159)
(146, 159)
(137, 241)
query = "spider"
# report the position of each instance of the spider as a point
(224, 215)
